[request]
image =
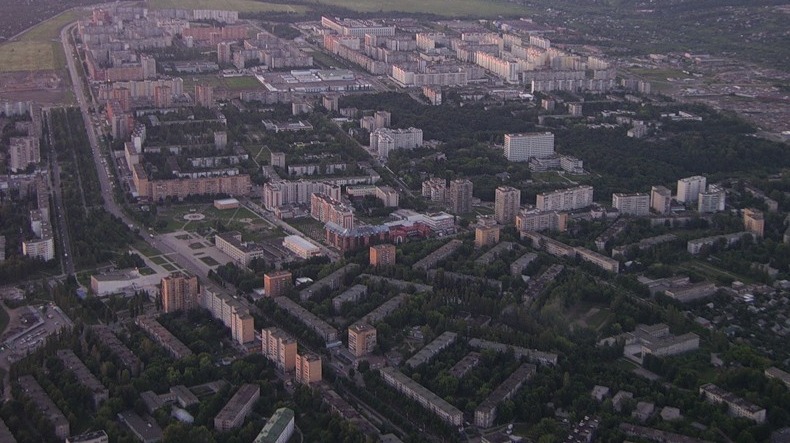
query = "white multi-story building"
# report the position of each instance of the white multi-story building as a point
(385, 140)
(565, 199)
(522, 147)
(301, 247)
(736, 405)
(689, 188)
(712, 200)
(631, 204)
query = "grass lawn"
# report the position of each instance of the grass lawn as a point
(209, 261)
(232, 5)
(35, 50)
(146, 249)
(448, 8)
(169, 267)
(715, 273)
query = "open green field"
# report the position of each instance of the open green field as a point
(241, 219)
(229, 83)
(231, 5)
(35, 50)
(448, 8)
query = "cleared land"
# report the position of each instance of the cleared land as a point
(232, 5)
(35, 50)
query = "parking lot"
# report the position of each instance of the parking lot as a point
(28, 329)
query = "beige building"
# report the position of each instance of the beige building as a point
(280, 348)
(532, 220)
(361, 339)
(506, 203)
(308, 368)
(565, 199)
(754, 222)
(277, 283)
(460, 196)
(660, 199)
(382, 255)
(232, 313)
(179, 292)
(486, 235)
(689, 188)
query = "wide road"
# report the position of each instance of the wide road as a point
(58, 217)
(105, 180)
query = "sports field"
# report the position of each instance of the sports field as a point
(37, 49)
(232, 5)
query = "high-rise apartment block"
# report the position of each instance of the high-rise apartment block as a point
(754, 221)
(280, 348)
(180, 292)
(382, 255)
(533, 220)
(326, 209)
(204, 96)
(565, 199)
(224, 53)
(385, 140)
(460, 196)
(277, 283)
(712, 200)
(435, 189)
(631, 204)
(308, 368)
(689, 188)
(522, 147)
(361, 339)
(660, 199)
(506, 203)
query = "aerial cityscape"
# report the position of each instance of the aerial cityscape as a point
(483, 221)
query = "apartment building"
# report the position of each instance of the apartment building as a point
(160, 189)
(384, 140)
(84, 376)
(108, 339)
(232, 313)
(382, 255)
(279, 347)
(430, 401)
(277, 283)
(522, 147)
(637, 204)
(486, 235)
(660, 199)
(778, 374)
(435, 189)
(689, 189)
(534, 220)
(507, 200)
(236, 410)
(23, 152)
(441, 253)
(712, 200)
(532, 355)
(331, 281)
(433, 348)
(460, 196)
(163, 337)
(36, 394)
(736, 406)
(485, 414)
(361, 339)
(695, 246)
(326, 209)
(180, 292)
(324, 330)
(352, 294)
(278, 429)
(606, 263)
(308, 368)
(754, 221)
(565, 199)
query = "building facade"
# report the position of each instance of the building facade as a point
(507, 200)
(180, 292)
(522, 147)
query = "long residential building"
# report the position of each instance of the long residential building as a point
(695, 246)
(565, 199)
(423, 396)
(532, 355)
(430, 350)
(233, 314)
(632, 204)
(352, 294)
(778, 374)
(242, 253)
(84, 376)
(165, 338)
(108, 339)
(737, 406)
(33, 391)
(442, 253)
(159, 189)
(522, 147)
(236, 410)
(280, 193)
(385, 309)
(278, 429)
(485, 414)
(331, 281)
(324, 330)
